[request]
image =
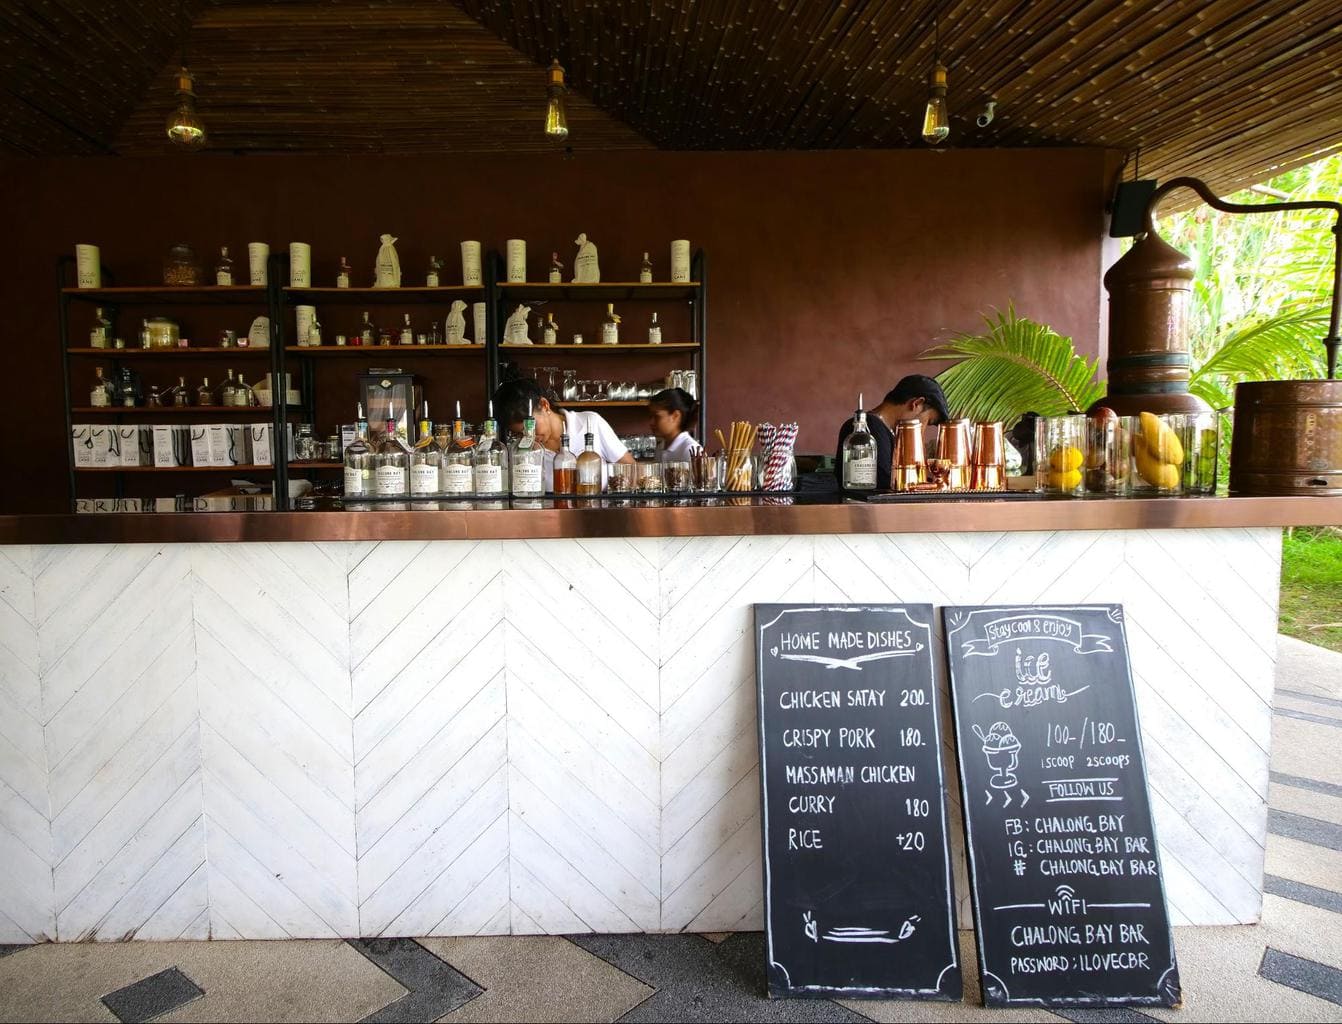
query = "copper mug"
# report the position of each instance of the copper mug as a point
(909, 465)
(955, 448)
(988, 470)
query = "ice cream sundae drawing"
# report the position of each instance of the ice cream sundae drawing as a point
(1002, 749)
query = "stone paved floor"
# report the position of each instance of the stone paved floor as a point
(1288, 968)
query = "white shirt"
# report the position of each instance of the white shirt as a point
(680, 449)
(604, 439)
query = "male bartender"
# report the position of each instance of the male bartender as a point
(916, 397)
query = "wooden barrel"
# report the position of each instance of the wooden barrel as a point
(1287, 438)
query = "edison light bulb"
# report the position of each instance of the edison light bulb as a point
(556, 123)
(936, 119)
(184, 125)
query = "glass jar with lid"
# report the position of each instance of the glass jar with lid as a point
(181, 268)
(162, 332)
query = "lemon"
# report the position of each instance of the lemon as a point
(1065, 460)
(1065, 480)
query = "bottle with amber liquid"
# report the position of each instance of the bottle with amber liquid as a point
(590, 468)
(566, 469)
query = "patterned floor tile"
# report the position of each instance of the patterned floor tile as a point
(152, 996)
(433, 986)
(696, 980)
(1302, 893)
(537, 978)
(1305, 975)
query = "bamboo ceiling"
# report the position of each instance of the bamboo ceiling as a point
(1229, 89)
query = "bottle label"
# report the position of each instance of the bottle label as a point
(342, 280)
(423, 479)
(98, 338)
(356, 483)
(224, 279)
(457, 479)
(432, 281)
(610, 334)
(555, 278)
(526, 478)
(98, 396)
(654, 335)
(488, 479)
(390, 480)
(861, 473)
(548, 337)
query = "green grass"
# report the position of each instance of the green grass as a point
(1311, 585)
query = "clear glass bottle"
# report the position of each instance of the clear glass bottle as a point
(610, 326)
(489, 464)
(100, 334)
(654, 331)
(590, 467)
(227, 390)
(550, 330)
(528, 462)
(342, 277)
(359, 462)
(432, 277)
(223, 270)
(457, 474)
(645, 271)
(155, 397)
(243, 395)
(384, 336)
(144, 332)
(426, 459)
(367, 332)
(435, 334)
(100, 394)
(391, 466)
(407, 332)
(566, 469)
(128, 390)
(556, 269)
(205, 393)
(859, 456)
(180, 396)
(315, 332)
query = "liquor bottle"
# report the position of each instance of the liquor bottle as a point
(435, 334)
(610, 326)
(556, 269)
(205, 393)
(144, 332)
(590, 467)
(128, 389)
(654, 331)
(391, 466)
(223, 270)
(431, 278)
(426, 460)
(384, 336)
(314, 332)
(342, 278)
(155, 398)
(244, 396)
(528, 462)
(180, 396)
(859, 455)
(566, 469)
(227, 391)
(359, 462)
(407, 332)
(645, 271)
(489, 462)
(550, 332)
(457, 476)
(425, 424)
(101, 392)
(100, 335)
(367, 333)
(360, 421)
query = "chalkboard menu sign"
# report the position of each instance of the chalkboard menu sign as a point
(857, 874)
(1069, 905)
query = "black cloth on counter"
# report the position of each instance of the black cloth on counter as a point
(885, 449)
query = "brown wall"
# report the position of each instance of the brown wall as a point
(828, 271)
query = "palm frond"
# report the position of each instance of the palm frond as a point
(1288, 345)
(1017, 366)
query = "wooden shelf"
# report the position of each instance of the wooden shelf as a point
(642, 402)
(383, 296)
(608, 290)
(179, 410)
(316, 465)
(366, 350)
(201, 295)
(175, 469)
(671, 346)
(174, 353)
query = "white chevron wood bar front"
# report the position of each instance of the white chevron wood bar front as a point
(458, 737)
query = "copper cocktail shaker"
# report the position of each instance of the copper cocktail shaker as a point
(909, 465)
(988, 472)
(955, 447)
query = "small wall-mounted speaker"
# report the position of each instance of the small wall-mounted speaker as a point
(1128, 210)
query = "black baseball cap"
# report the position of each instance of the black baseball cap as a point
(917, 385)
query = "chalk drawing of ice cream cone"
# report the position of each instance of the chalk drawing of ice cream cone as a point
(1002, 750)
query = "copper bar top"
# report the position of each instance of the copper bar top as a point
(750, 516)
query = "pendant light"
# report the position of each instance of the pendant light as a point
(556, 123)
(936, 119)
(184, 125)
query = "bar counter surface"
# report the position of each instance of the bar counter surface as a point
(722, 517)
(375, 723)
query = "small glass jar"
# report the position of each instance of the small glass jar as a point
(678, 477)
(1158, 454)
(704, 473)
(737, 472)
(1200, 435)
(1108, 468)
(1059, 454)
(784, 479)
(180, 268)
(623, 478)
(650, 477)
(304, 443)
(162, 332)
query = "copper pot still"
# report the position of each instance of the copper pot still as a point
(1287, 436)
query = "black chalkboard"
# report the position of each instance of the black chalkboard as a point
(1069, 906)
(857, 876)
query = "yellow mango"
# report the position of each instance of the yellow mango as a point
(1162, 442)
(1156, 473)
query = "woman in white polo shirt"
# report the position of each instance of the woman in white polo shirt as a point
(553, 421)
(670, 414)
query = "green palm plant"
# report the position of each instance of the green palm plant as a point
(1282, 347)
(1017, 365)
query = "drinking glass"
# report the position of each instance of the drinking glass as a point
(1059, 455)
(678, 477)
(583, 393)
(600, 392)
(570, 392)
(623, 478)
(1108, 468)
(1158, 454)
(1199, 434)
(650, 477)
(704, 470)
(738, 470)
